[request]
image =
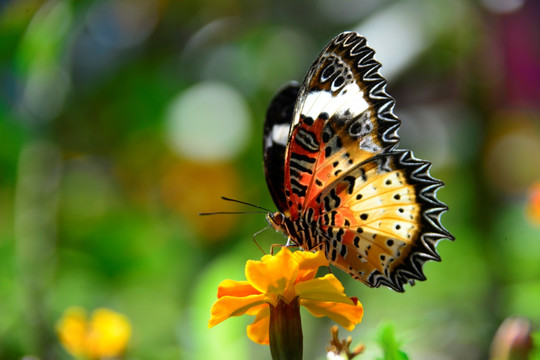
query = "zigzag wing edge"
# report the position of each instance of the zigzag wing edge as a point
(432, 232)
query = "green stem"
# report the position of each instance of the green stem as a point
(286, 340)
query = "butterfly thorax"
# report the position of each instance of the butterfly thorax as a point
(300, 232)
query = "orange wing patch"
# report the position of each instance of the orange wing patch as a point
(372, 218)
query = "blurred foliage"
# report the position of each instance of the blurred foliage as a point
(104, 164)
(390, 345)
(535, 355)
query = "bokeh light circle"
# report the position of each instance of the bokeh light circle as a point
(512, 152)
(208, 122)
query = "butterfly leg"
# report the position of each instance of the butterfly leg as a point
(319, 245)
(290, 243)
(257, 233)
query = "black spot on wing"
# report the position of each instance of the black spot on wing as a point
(351, 180)
(298, 188)
(307, 140)
(328, 132)
(299, 164)
(331, 201)
(303, 158)
(307, 119)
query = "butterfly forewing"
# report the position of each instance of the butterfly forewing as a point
(344, 84)
(345, 188)
(342, 117)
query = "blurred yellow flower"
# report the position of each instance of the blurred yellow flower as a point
(283, 278)
(104, 335)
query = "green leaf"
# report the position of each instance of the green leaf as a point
(390, 345)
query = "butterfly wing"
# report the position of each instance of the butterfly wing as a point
(275, 138)
(342, 174)
(343, 116)
(381, 220)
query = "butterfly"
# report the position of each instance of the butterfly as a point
(336, 177)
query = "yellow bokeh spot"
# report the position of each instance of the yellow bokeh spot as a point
(72, 330)
(105, 335)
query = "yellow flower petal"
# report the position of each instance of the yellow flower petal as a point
(228, 306)
(310, 260)
(255, 310)
(273, 274)
(346, 315)
(327, 288)
(258, 330)
(280, 279)
(236, 288)
(309, 264)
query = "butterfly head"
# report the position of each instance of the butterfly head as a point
(277, 220)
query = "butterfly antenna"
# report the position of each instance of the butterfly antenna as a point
(246, 203)
(231, 212)
(266, 211)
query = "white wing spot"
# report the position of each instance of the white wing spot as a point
(323, 101)
(279, 135)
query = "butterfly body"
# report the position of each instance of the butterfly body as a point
(335, 175)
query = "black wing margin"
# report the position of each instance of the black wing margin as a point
(432, 230)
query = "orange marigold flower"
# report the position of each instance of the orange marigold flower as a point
(283, 278)
(105, 335)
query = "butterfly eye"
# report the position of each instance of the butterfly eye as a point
(277, 218)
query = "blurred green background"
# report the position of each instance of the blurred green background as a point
(121, 120)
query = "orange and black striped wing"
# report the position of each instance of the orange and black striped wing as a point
(380, 220)
(343, 116)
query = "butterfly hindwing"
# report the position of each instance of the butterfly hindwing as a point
(275, 138)
(386, 223)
